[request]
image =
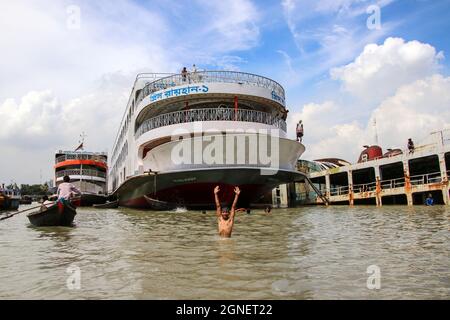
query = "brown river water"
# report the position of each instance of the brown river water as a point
(301, 253)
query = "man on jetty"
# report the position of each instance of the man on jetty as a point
(225, 218)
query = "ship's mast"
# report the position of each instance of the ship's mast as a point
(376, 131)
(82, 136)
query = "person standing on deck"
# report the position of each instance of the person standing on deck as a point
(193, 75)
(299, 131)
(225, 218)
(66, 190)
(410, 145)
(184, 74)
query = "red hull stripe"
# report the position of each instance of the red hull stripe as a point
(80, 162)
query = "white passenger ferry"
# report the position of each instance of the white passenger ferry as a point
(183, 134)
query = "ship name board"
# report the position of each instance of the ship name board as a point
(278, 98)
(178, 92)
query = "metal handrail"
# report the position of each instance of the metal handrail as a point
(79, 157)
(209, 114)
(78, 172)
(211, 77)
(392, 183)
(428, 178)
(338, 191)
(365, 187)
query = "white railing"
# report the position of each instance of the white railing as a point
(212, 77)
(301, 196)
(339, 191)
(80, 156)
(434, 177)
(79, 172)
(366, 187)
(210, 114)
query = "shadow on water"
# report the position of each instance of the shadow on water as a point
(53, 233)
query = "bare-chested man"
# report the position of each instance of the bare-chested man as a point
(225, 218)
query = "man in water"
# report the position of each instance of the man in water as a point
(66, 190)
(429, 201)
(225, 218)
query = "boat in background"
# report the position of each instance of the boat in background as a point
(87, 171)
(9, 198)
(107, 205)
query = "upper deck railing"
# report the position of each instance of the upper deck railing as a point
(80, 156)
(210, 114)
(211, 77)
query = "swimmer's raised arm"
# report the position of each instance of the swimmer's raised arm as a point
(237, 191)
(216, 198)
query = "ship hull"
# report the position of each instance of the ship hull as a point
(194, 188)
(89, 199)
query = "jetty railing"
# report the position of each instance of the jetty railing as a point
(79, 172)
(365, 187)
(434, 177)
(339, 191)
(211, 77)
(392, 183)
(210, 114)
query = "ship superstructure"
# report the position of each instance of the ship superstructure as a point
(182, 134)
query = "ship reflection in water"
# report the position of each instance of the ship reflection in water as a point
(303, 253)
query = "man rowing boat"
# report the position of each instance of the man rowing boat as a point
(66, 190)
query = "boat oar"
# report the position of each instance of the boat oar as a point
(15, 213)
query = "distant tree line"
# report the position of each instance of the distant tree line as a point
(34, 189)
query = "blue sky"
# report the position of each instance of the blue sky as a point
(339, 75)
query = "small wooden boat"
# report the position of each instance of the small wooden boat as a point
(26, 200)
(160, 205)
(58, 214)
(108, 205)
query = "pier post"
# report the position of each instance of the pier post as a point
(407, 186)
(443, 169)
(328, 185)
(350, 187)
(378, 186)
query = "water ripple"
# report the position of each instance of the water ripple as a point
(304, 253)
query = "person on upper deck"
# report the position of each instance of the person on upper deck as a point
(410, 145)
(184, 74)
(66, 190)
(299, 131)
(193, 75)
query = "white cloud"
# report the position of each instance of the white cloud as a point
(380, 69)
(415, 110)
(401, 90)
(329, 33)
(56, 82)
(324, 136)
